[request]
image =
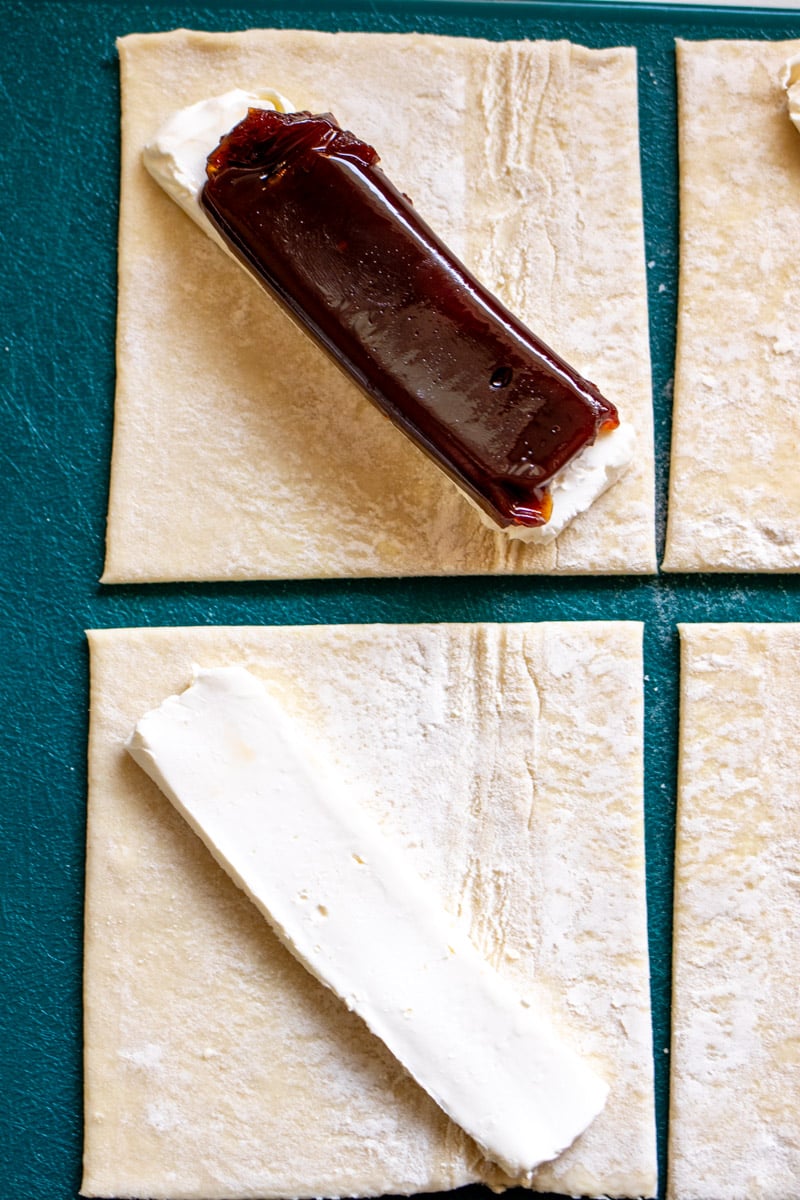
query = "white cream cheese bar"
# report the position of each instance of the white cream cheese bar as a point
(350, 907)
(582, 481)
(790, 78)
(176, 158)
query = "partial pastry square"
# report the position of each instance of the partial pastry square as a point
(239, 450)
(734, 485)
(507, 761)
(735, 1088)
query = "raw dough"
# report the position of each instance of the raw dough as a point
(735, 1092)
(215, 1065)
(735, 486)
(239, 450)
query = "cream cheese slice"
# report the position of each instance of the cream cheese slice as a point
(579, 484)
(347, 904)
(790, 78)
(176, 158)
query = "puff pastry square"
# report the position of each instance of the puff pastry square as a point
(239, 451)
(734, 484)
(508, 762)
(735, 1089)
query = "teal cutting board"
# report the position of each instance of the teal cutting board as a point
(60, 151)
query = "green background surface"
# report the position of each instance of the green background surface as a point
(60, 154)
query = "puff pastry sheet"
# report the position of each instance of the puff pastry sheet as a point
(735, 1092)
(239, 450)
(508, 761)
(735, 486)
